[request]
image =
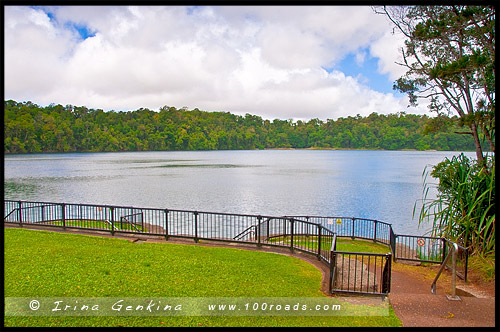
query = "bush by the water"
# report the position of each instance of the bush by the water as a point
(464, 209)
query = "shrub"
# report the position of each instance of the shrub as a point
(464, 208)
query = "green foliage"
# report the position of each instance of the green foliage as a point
(449, 57)
(29, 128)
(464, 209)
(485, 265)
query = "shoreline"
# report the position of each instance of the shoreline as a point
(266, 149)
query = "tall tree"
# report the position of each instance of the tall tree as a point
(449, 55)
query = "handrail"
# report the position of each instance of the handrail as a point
(109, 222)
(452, 253)
(130, 222)
(248, 230)
(334, 243)
(5, 218)
(463, 276)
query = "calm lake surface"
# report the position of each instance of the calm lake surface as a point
(382, 185)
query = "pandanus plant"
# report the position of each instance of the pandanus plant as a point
(464, 207)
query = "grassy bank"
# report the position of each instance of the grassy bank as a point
(343, 244)
(50, 264)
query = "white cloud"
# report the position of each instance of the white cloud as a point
(35, 52)
(388, 50)
(360, 58)
(266, 61)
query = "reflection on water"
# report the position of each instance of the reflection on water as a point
(382, 185)
(19, 189)
(204, 165)
(146, 161)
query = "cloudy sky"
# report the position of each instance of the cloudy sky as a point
(281, 62)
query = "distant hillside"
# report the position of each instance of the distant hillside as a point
(29, 128)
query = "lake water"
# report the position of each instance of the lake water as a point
(382, 185)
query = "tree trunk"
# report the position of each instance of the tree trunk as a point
(477, 143)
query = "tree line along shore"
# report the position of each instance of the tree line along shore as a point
(30, 128)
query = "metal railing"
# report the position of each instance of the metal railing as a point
(362, 273)
(368, 229)
(366, 273)
(453, 253)
(462, 259)
(423, 249)
(197, 225)
(359, 273)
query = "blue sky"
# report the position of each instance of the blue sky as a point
(276, 62)
(366, 72)
(81, 28)
(83, 31)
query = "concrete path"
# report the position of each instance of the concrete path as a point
(413, 303)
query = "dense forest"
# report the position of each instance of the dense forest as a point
(29, 128)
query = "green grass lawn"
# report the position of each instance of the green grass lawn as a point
(343, 244)
(98, 224)
(51, 264)
(361, 246)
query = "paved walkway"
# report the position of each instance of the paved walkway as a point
(413, 303)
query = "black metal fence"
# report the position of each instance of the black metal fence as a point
(350, 272)
(368, 229)
(359, 273)
(424, 249)
(197, 225)
(163, 222)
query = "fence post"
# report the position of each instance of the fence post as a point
(386, 285)
(63, 215)
(392, 241)
(333, 270)
(319, 242)
(454, 273)
(259, 221)
(466, 263)
(352, 235)
(284, 228)
(453, 296)
(19, 214)
(444, 249)
(375, 232)
(291, 233)
(166, 224)
(196, 226)
(112, 221)
(267, 229)
(386, 277)
(142, 220)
